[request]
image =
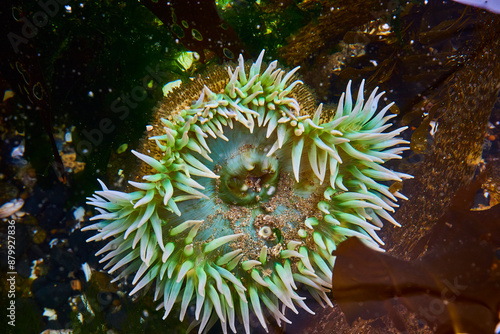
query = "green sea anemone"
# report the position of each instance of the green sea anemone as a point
(247, 187)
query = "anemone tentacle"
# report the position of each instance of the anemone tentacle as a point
(301, 179)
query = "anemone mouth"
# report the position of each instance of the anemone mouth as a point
(247, 191)
(248, 178)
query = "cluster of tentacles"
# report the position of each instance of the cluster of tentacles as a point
(240, 145)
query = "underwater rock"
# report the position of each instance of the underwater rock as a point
(463, 106)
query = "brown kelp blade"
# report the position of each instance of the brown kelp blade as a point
(454, 287)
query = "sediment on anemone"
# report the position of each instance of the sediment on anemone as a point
(248, 186)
